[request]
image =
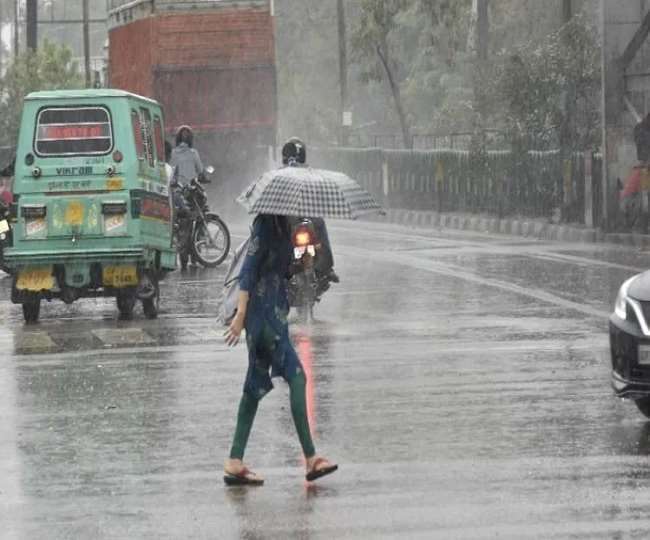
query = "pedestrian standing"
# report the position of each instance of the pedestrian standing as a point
(263, 308)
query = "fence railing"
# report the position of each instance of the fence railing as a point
(500, 183)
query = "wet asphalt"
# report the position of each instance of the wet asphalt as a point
(460, 380)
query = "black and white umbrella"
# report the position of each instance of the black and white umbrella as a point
(302, 191)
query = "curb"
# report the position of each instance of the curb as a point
(527, 228)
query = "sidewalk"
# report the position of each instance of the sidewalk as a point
(531, 228)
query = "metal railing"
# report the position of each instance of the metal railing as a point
(500, 183)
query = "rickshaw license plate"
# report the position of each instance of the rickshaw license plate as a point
(120, 276)
(4, 226)
(35, 279)
(643, 357)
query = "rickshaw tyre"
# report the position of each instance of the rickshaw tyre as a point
(31, 310)
(150, 305)
(125, 304)
(226, 234)
(150, 308)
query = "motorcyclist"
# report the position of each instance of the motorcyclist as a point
(185, 159)
(294, 154)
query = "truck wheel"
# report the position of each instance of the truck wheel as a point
(125, 303)
(31, 309)
(150, 305)
(643, 405)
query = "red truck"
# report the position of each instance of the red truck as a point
(212, 66)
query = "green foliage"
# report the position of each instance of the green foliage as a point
(547, 92)
(420, 46)
(49, 68)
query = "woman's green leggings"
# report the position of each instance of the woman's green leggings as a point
(248, 409)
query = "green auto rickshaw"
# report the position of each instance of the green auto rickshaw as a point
(92, 214)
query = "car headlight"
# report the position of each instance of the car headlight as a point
(620, 307)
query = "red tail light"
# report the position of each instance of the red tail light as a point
(302, 237)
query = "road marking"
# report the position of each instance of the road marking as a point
(120, 337)
(546, 246)
(32, 342)
(457, 272)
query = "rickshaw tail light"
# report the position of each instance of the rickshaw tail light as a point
(302, 238)
(33, 211)
(113, 208)
(118, 156)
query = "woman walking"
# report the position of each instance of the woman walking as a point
(262, 310)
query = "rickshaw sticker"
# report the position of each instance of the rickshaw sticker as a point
(114, 184)
(36, 226)
(113, 222)
(74, 213)
(92, 216)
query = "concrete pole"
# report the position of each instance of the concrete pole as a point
(16, 30)
(343, 72)
(86, 35)
(483, 29)
(32, 24)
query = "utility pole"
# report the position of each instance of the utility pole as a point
(86, 32)
(567, 11)
(32, 25)
(344, 116)
(483, 29)
(16, 29)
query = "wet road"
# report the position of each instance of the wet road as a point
(460, 380)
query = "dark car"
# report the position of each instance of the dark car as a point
(629, 337)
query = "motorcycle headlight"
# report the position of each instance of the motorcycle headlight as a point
(620, 307)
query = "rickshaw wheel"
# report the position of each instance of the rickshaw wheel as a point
(31, 309)
(125, 303)
(150, 305)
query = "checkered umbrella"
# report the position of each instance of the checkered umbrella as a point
(301, 191)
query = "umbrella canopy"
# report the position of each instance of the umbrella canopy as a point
(302, 191)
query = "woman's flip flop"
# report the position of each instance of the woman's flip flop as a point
(316, 473)
(244, 478)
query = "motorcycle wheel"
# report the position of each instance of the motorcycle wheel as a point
(31, 309)
(125, 303)
(302, 293)
(211, 241)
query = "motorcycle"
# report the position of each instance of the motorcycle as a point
(200, 235)
(306, 287)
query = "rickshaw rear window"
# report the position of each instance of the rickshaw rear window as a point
(73, 131)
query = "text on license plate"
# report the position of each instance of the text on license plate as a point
(35, 279)
(120, 276)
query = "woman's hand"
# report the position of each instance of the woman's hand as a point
(233, 333)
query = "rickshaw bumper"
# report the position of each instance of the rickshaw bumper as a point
(58, 274)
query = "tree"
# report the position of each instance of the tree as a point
(371, 41)
(532, 83)
(49, 68)
(415, 46)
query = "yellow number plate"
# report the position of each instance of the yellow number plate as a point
(35, 279)
(120, 276)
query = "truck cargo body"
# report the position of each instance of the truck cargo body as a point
(211, 68)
